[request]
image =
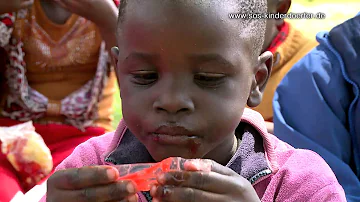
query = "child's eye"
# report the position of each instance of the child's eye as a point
(209, 79)
(144, 77)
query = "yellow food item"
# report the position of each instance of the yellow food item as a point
(27, 152)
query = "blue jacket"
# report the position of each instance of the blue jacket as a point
(317, 107)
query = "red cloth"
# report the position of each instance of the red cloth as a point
(61, 140)
(280, 37)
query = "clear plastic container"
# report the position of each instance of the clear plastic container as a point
(144, 174)
(27, 152)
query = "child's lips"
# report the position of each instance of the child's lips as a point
(173, 139)
(173, 135)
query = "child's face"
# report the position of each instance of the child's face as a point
(275, 6)
(185, 78)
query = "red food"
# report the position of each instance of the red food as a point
(144, 175)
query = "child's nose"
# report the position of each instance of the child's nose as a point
(174, 103)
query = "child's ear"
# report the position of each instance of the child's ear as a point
(115, 54)
(262, 75)
(282, 7)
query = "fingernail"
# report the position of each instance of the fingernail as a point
(133, 198)
(162, 178)
(153, 190)
(130, 188)
(111, 173)
(166, 191)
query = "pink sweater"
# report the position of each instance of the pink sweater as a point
(278, 173)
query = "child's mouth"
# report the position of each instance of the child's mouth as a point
(173, 139)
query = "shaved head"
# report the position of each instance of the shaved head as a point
(254, 29)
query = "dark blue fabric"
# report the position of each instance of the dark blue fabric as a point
(316, 106)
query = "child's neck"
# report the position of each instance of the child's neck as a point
(229, 148)
(235, 146)
(55, 12)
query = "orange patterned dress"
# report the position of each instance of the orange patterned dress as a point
(64, 76)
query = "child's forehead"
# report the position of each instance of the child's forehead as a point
(207, 20)
(171, 8)
(182, 9)
(179, 40)
(203, 27)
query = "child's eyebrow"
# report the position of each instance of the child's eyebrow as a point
(194, 58)
(138, 55)
(211, 57)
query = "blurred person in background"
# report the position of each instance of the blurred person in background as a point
(55, 71)
(288, 45)
(317, 107)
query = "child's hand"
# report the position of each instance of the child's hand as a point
(221, 184)
(95, 183)
(101, 12)
(14, 5)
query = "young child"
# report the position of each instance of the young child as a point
(55, 71)
(317, 105)
(288, 45)
(186, 73)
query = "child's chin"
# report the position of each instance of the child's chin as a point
(160, 154)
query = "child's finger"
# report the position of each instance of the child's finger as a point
(118, 191)
(206, 181)
(113, 192)
(180, 194)
(218, 168)
(197, 165)
(78, 178)
(202, 164)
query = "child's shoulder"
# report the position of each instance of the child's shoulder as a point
(90, 152)
(303, 173)
(94, 150)
(299, 161)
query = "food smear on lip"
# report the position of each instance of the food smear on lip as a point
(191, 142)
(156, 137)
(193, 145)
(144, 174)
